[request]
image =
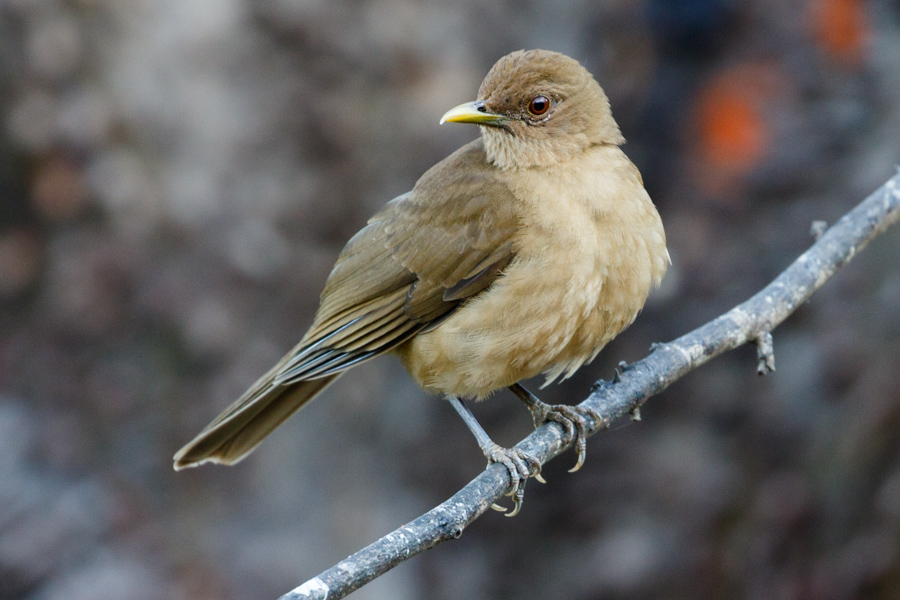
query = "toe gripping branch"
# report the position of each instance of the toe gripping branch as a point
(575, 420)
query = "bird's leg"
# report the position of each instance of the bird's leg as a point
(520, 465)
(572, 418)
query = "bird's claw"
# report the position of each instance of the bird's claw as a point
(520, 466)
(574, 419)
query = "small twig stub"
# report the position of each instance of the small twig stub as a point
(765, 353)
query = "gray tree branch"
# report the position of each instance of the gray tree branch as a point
(751, 321)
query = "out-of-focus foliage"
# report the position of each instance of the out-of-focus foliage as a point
(177, 177)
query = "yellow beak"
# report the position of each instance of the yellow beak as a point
(471, 112)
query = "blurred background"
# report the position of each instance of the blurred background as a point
(178, 176)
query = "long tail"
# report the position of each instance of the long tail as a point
(244, 424)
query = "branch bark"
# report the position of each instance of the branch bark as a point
(751, 321)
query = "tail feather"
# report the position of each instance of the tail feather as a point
(242, 426)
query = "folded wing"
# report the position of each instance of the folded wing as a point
(415, 262)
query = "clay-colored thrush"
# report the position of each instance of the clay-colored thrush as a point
(523, 252)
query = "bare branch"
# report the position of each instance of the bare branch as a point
(751, 321)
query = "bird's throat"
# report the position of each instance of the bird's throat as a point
(507, 150)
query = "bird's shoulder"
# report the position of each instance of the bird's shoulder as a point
(463, 196)
(460, 208)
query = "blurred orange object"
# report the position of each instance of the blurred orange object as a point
(732, 134)
(732, 131)
(841, 28)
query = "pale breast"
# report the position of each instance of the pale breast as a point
(589, 249)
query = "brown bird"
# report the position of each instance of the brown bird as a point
(523, 252)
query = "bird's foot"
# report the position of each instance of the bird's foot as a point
(521, 466)
(574, 420)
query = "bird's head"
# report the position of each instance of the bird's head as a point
(536, 108)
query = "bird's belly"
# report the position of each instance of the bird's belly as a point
(533, 319)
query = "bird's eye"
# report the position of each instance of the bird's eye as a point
(539, 105)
